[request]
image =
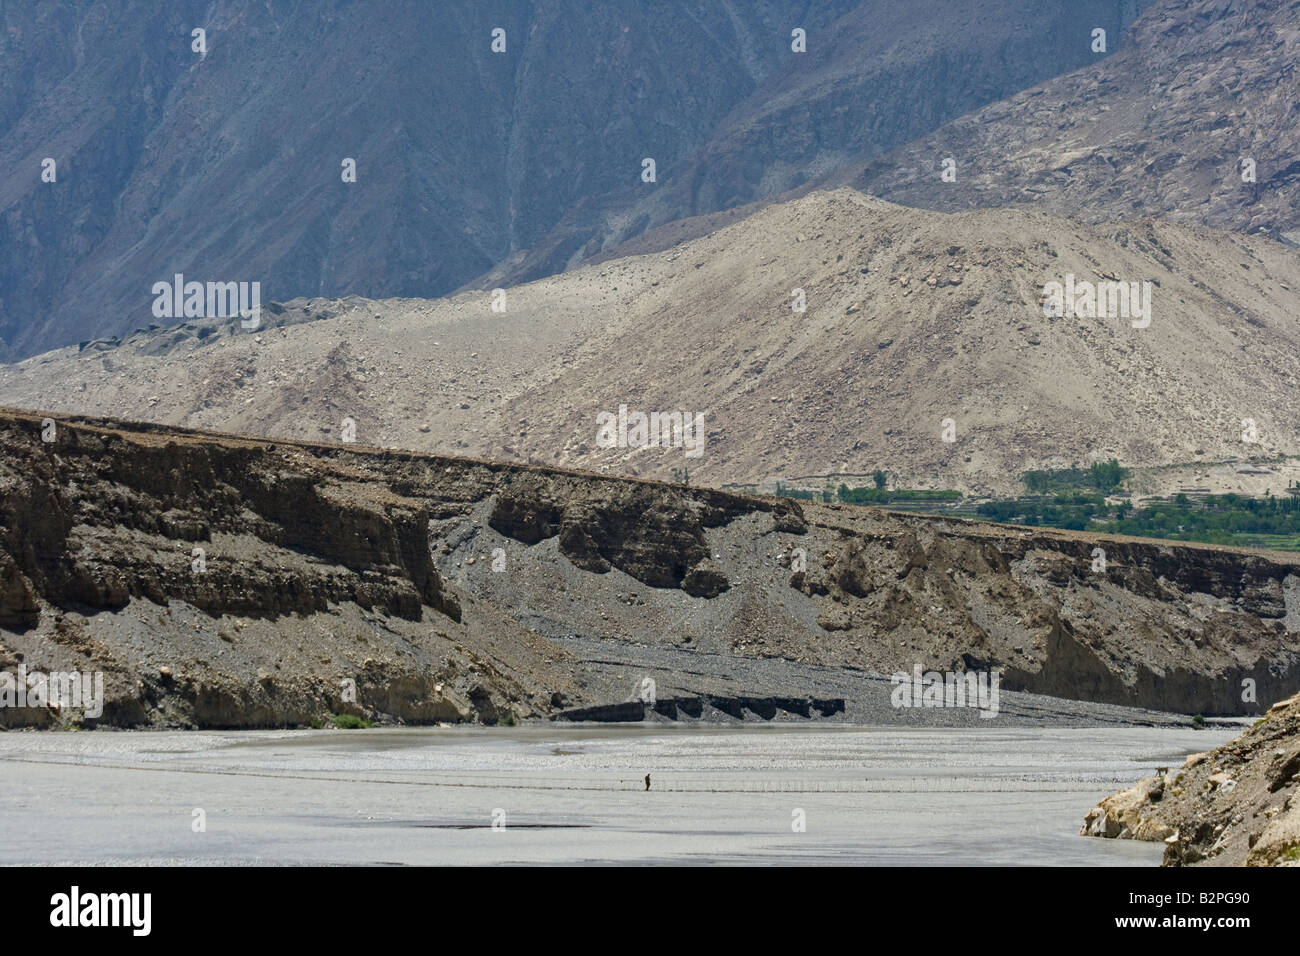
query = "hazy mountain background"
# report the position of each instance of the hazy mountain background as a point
(227, 166)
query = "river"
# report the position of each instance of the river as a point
(576, 794)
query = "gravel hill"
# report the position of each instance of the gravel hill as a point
(228, 165)
(911, 318)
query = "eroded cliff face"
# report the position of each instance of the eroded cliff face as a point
(224, 584)
(1165, 626)
(98, 546)
(226, 581)
(653, 533)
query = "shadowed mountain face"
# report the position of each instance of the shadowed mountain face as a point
(1196, 120)
(228, 165)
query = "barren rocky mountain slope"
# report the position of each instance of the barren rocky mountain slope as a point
(459, 589)
(1235, 805)
(1156, 129)
(226, 165)
(912, 318)
(1159, 129)
(883, 75)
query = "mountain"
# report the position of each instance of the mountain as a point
(1162, 128)
(224, 581)
(226, 165)
(912, 318)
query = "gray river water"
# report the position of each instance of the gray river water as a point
(549, 794)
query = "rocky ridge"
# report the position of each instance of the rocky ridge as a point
(1195, 121)
(226, 581)
(912, 318)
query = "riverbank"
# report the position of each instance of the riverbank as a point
(1231, 806)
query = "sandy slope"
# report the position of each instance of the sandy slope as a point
(912, 317)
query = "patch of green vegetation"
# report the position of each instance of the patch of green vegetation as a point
(1228, 519)
(316, 723)
(507, 719)
(351, 722)
(1292, 853)
(1103, 476)
(1198, 722)
(1074, 510)
(1074, 499)
(1217, 519)
(800, 493)
(878, 495)
(1274, 542)
(882, 496)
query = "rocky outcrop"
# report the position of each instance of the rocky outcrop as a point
(258, 555)
(147, 528)
(1235, 805)
(1125, 815)
(655, 533)
(1031, 604)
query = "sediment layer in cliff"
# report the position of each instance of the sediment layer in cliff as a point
(217, 580)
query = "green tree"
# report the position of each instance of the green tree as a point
(880, 478)
(1107, 474)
